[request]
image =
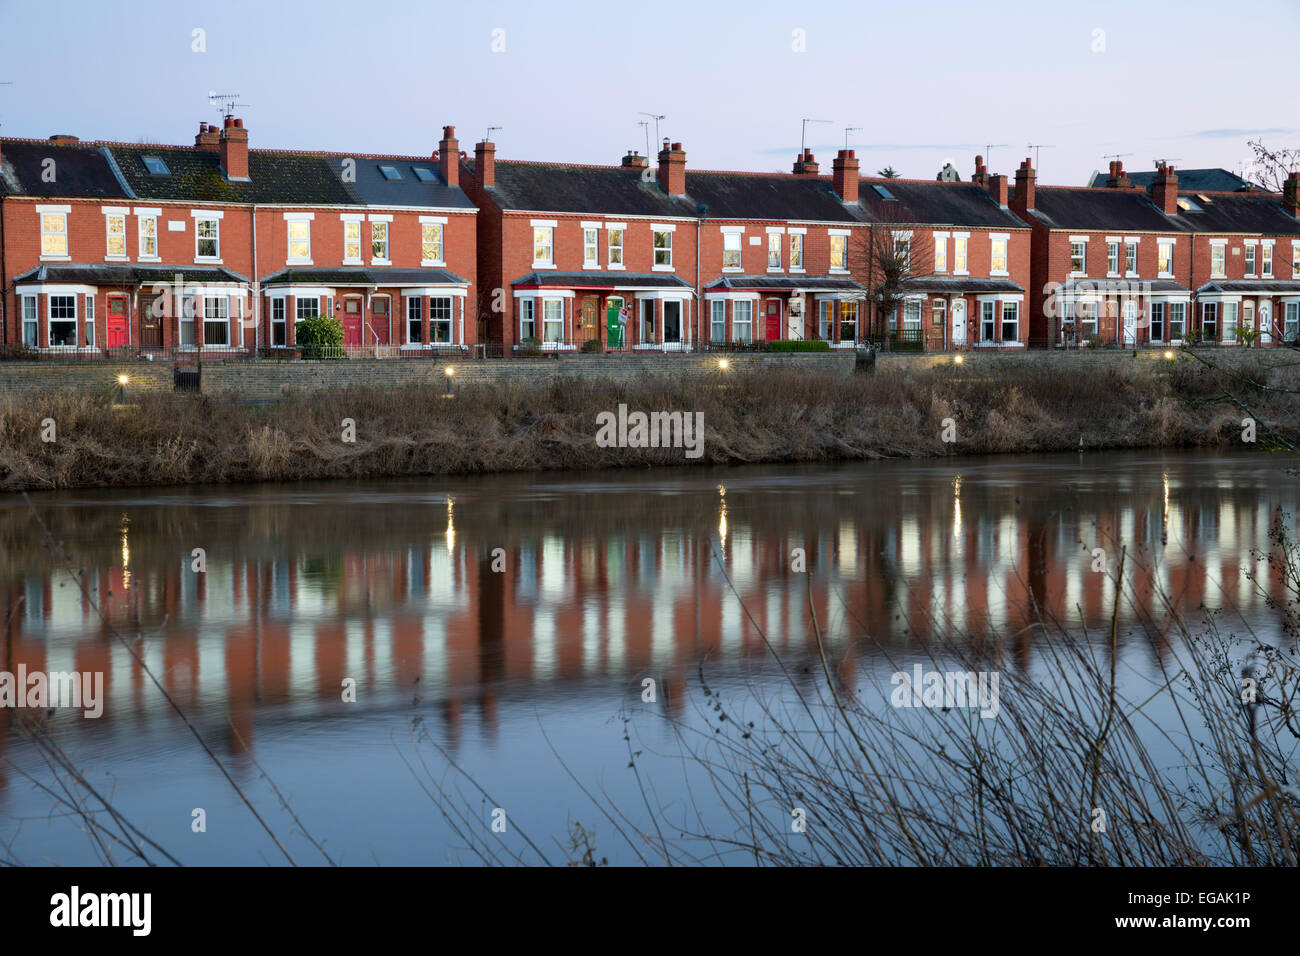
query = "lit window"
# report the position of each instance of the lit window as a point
(940, 253)
(352, 241)
(839, 252)
(903, 252)
(1078, 257)
(379, 241)
(848, 321)
(1165, 258)
(543, 245)
(590, 247)
(54, 234)
(998, 262)
(431, 242)
(1267, 261)
(615, 247)
(1131, 258)
(796, 252)
(116, 226)
(774, 250)
(959, 254)
(299, 239)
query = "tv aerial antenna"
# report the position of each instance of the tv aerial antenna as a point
(1037, 148)
(803, 135)
(988, 152)
(850, 129)
(225, 102)
(487, 137)
(656, 117)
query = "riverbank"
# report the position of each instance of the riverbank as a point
(78, 440)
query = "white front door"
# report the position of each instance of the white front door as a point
(794, 317)
(1130, 322)
(958, 321)
(1265, 322)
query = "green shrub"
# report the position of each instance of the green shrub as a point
(796, 345)
(321, 337)
(593, 345)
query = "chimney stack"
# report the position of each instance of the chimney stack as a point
(845, 178)
(981, 171)
(805, 164)
(634, 160)
(485, 163)
(1164, 191)
(449, 157)
(208, 138)
(1118, 178)
(234, 149)
(998, 189)
(1291, 193)
(672, 169)
(1026, 179)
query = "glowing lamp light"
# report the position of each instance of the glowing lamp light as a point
(723, 364)
(958, 359)
(449, 371)
(121, 380)
(1169, 355)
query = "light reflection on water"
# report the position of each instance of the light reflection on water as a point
(608, 578)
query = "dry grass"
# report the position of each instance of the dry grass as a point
(775, 416)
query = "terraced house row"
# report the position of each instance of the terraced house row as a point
(221, 248)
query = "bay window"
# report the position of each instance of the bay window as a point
(848, 321)
(440, 320)
(647, 336)
(1291, 321)
(1157, 321)
(414, 320)
(1177, 321)
(553, 321)
(742, 320)
(278, 324)
(29, 321)
(63, 321)
(186, 320)
(718, 320)
(90, 321)
(1010, 321)
(912, 316)
(988, 321)
(1230, 311)
(825, 317)
(1210, 321)
(527, 319)
(216, 320)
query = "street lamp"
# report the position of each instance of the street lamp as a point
(450, 373)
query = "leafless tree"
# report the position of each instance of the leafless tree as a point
(889, 253)
(1270, 167)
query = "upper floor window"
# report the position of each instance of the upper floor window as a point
(796, 252)
(839, 252)
(903, 251)
(1295, 260)
(998, 259)
(148, 229)
(1079, 257)
(1250, 261)
(116, 226)
(54, 233)
(940, 253)
(1131, 258)
(615, 247)
(1112, 258)
(300, 239)
(1217, 260)
(774, 250)
(543, 245)
(379, 241)
(352, 240)
(431, 242)
(1165, 258)
(663, 246)
(1266, 260)
(207, 238)
(590, 247)
(731, 250)
(959, 254)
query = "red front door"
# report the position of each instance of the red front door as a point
(773, 319)
(380, 319)
(351, 321)
(116, 321)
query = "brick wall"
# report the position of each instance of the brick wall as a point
(50, 376)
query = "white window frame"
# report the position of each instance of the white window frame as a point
(528, 313)
(1161, 245)
(775, 244)
(796, 250)
(1014, 307)
(665, 251)
(88, 322)
(717, 320)
(221, 308)
(199, 220)
(614, 250)
(544, 230)
(1249, 255)
(590, 245)
(547, 302)
(112, 213)
(1266, 259)
(748, 323)
(1003, 240)
(352, 224)
(1131, 258)
(1112, 258)
(1082, 243)
(438, 223)
(381, 223)
(61, 214)
(63, 320)
(150, 216)
(1219, 251)
(290, 221)
(436, 304)
(33, 320)
(840, 238)
(733, 236)
(280, 304)
(941, 252)
(961, 253)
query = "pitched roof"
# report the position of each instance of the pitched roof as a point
(1189, 180)
(1240, 212)
(731, 195)
(594, 190)
(41, 168)
(1252, 287)
(1066, 207)
(376, 189)
(934, 204)
(955, 285)
(196, 176)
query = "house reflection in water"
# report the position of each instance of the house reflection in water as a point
(598, 590)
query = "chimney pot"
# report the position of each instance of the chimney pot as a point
(233, 147)
(997, 187)
(672, 169)
(1164, 191)
(844, 177)
(485, 163)
(1026, 179)
(449, 157)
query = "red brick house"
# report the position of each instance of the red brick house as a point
(1122, 264)
(219, 247)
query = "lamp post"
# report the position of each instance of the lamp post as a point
(449, 372)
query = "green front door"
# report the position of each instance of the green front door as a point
(613, 327)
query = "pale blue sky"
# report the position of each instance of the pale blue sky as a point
(926, 81)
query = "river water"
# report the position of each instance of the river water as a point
(515, 620)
